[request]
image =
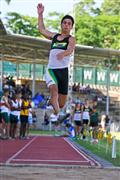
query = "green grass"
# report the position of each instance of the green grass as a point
(42, 132)
(102, 149)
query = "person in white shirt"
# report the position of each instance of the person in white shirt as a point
(85, 118)
(77, 118)
(5, 111)
(14, 115)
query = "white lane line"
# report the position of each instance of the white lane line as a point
(16, 154)
(91, 160)
(87, 160)
(50, 160)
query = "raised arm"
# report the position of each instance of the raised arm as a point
(41, 27)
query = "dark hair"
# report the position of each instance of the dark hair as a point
(68, 17)
(6, 90)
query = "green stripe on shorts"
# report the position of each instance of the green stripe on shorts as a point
(52, 75)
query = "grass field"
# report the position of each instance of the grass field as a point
(41, 132)
(102, 148)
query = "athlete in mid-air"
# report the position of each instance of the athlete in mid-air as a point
(62, 47)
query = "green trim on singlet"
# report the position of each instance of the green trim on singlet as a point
(51, 73)
(60, 44)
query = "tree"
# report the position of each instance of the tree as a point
(111, 7)
(95, 28)
(91, 28)
(101, 31)
(86, 7)
(87, 31)
(26, 25)
(22, 24)
(52, 21)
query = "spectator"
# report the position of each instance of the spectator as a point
(77, 118)
(74, 87)
(24, 113)
(14, 115)
(107, 123)
(26, 89)
(5, 111)
(85, 117)
(94, 119)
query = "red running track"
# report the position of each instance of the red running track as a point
(43, 150)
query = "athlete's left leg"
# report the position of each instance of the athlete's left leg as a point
(62, 100)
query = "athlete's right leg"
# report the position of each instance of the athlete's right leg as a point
(52, 84)
(54, 98)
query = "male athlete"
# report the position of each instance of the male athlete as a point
(62, 46)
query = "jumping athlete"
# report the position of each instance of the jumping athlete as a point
(62, 46)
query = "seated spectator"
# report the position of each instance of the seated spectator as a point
(71, 130)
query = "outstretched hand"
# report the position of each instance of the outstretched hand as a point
(40, 8)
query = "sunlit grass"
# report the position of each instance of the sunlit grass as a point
(102, 149)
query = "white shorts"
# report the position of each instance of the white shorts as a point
(50, 77)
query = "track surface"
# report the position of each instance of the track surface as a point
(43, 150)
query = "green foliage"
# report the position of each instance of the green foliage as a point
(29, 25)
(23, 24)
(53, 20)
(111, 7)
(98, 27)
(109, 30)
(84, 7)
(86, 31)
(100, 31)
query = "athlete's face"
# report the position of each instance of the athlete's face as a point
(66, 25)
